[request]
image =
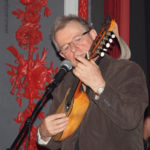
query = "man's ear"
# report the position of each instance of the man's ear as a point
(62, 55)
(93, 34)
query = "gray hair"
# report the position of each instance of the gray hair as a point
(61, 23)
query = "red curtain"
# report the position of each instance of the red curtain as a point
(83, 9)
(120, 11)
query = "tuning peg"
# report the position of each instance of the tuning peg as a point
(110, 40)
(111, 34)
(104, 49)
(102, 54)
(105, 44)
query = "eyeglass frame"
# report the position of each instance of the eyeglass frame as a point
(73, 41)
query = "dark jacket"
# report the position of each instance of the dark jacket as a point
(115, 120)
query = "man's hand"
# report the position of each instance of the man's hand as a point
(89, 73)
(52, 125)
(146, 130)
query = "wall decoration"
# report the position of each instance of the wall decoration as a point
(29, 76)
(83, 9)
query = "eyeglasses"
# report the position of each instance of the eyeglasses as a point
(76, 41)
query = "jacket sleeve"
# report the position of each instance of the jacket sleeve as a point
(51, 145)
(125, 96)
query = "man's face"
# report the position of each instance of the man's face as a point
(74, 41)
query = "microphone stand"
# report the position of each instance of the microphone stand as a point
(29, 121)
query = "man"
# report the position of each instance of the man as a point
(146, 133)
(117, 94)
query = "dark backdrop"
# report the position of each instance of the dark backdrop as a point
(140, 36)
(147, 29)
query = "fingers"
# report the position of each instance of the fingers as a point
(57, 120)
(53, 124)
(84, 67)
(81, 65)
(82, 60)
(89, 73)
(56, 116)
(60, 122)
(59, 128)
(93, 62)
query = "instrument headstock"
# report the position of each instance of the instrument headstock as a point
(104, 40)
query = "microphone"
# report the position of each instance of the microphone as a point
(65, 66)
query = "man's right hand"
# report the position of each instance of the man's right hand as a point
(53, 124)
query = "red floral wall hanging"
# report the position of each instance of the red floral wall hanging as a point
(30, 75)
(83, 9)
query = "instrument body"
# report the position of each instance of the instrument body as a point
(76, 114)
(76, 102)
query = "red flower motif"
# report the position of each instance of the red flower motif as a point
(47, 12)
(27, 35)
(31, 16)
(43, 2)
(19, 13)
(26, 2)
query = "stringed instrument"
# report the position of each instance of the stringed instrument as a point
(76, 102)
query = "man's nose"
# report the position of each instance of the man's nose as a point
(72, 47)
